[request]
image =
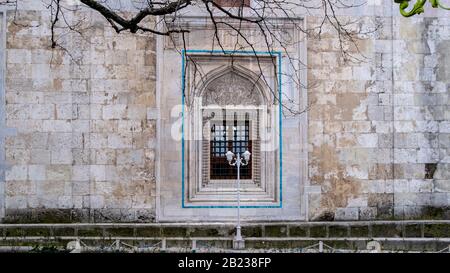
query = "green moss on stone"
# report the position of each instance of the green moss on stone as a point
(63, 231)
(51, 216)
(298, 231)
(413, 230)
(14, 232)
(179, 243)
(251, 231)
(436, 230)
(268, 244)
(174, 232)
(435, 213)
(385, 213)
(90, 232)
(203, 232)
(337, 231)
(400, 246)
(17, 216)
(280, 244)
(129, 242)
(325, 216)
(340, 244)
(359, 245)
(79, 215)
(148, 243)
(48, 247)
(386, 230)
(359, 231)
(318, 231)
(37, 231)
(301, 243)
(102, 243)
(120, 232)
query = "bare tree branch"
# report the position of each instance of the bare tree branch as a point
(147, 16)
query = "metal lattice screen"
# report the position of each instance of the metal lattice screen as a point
(229, 136)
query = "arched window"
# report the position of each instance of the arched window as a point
(230, 106)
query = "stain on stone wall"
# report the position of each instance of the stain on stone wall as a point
(85, 150)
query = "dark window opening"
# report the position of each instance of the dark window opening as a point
(229, 136)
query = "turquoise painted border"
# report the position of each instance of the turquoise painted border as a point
(183, 84)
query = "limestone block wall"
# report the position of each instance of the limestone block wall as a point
(84, 149)
(379, 130)
(82, 122)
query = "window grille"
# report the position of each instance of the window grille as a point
(234, 136)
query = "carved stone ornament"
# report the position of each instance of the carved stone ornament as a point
(231, 89)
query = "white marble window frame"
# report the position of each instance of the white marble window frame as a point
(265, 191)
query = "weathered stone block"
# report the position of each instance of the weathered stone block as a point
(90, 232)
(387, 230)
(319, 231)
(39, 156)
(18, 56)
(119, 232)
(298, 231)
(436, 230)
(42, 111)
(58, 141)
(59, 172)
(98, 172)
(39, 232)
(413, 230)
(251, 231)
(14, 232)
(18, 156)
(120, 141)
(63, 231)
(114, 111)
(97, 201)
(37, 172)
(16, 172)
(369, 213)
(203, 232)
(346, 214)
(49, 215)
(61, 156)
(137, 112)
(275, 231)
(135, 157)
(338, 231)
(359, 231)
(148, 232)
(16, 202)
(416, 185)
(174, 232)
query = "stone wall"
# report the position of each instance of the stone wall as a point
(379, 130)
(84, 149)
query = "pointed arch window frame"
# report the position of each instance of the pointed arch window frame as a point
(278, 55)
